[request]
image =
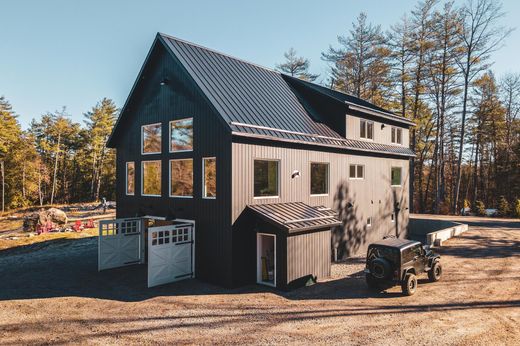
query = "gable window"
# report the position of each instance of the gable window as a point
(209, 167)
(151, 139)
(397, 135)
(181, 135)
(130, 178)
(151, 178)
(356, 172)
(319, 178)
(266, 177)
(366, 129)
(181, 178)
(396, 176)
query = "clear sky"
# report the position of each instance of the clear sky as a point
(56, 53)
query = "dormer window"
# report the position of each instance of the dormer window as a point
(397, 135)
(366, 129)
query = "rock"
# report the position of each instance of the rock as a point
(53, 215)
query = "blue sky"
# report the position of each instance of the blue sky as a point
(58, 53)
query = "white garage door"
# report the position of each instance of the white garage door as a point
(170, 253)
(121, 243)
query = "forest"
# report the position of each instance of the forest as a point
(434, 66)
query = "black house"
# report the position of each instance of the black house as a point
(252, 175)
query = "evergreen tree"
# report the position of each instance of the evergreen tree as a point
(296, 66)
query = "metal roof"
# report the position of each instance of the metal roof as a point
(296, 216)
(396, 242)
(257, 101)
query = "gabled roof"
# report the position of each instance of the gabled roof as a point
(255, 101)
(296, 216)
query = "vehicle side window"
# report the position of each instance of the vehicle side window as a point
(407, 255)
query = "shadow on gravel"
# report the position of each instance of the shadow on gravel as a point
(221, 318)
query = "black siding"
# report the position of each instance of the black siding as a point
(180, 98)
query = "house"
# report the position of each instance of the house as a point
(250, 174)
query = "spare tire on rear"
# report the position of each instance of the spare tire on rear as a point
(380, 268)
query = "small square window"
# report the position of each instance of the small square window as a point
(356, 172)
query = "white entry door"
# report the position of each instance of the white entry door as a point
(120, 243)
(170, 253)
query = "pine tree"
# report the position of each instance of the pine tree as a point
(296, 66)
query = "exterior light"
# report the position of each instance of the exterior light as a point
(164, 81)
(295, 174)
(382, 126)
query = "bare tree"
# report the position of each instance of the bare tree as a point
(481, 35)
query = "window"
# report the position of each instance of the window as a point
(397, 135)
(319, 178)
(266, 178)
(356, 172)
(130, 178)
(369, 222)
(151, 178)
(181, 135)
(151, 139)
(396, 176)
(181, 178)
(366, 129)
(209, 167)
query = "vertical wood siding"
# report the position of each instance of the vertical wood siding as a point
(371, 197)
(308, 254)
(381, 135)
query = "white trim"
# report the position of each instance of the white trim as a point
(395, 128)
(366, 130)
(142, 178)
(278, 180)
(259, 262)
(204, 176)
(142, 139)
(194, 243)
(170, 136)
(170, 178)
(126, 178)
(328, 178)
(356, 177)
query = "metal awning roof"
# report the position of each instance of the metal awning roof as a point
(296, 216)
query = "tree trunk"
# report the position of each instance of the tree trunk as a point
(55, 168)
(462, 133)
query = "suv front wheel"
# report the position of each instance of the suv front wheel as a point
(435, 273)
(409, 284)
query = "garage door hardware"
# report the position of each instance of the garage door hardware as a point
(184, 275)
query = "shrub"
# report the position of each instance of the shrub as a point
(503, 207)
(517, 208)
(480, 208)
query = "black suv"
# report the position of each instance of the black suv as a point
(394, 261)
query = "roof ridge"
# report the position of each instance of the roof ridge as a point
(217, 52)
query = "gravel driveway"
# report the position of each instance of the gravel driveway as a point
(52, 293)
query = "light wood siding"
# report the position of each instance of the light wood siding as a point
(372, 196)
(381, 135)
(308, 254)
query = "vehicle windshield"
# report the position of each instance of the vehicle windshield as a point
(388, 253)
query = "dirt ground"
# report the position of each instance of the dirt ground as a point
(51, 293)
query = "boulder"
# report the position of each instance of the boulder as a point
(54, 215)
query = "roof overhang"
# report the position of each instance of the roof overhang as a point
(295, 217)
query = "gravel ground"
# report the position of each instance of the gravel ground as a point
(51, 293)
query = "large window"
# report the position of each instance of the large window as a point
(396, 176)
(209, 166)
(151, 178)
(181, 135)
(397, 135)
(356, 172)
(266, 178)
(366, 129)
(151, 139)
(319, 178)
(181, 178)
(130, 178)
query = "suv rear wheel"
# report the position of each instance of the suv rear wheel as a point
(435, 273)
(409, 284)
